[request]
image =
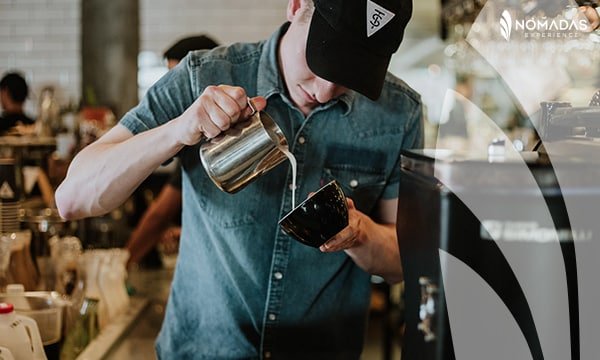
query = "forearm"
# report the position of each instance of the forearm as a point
(103, 175)
(377, 251)
(145, 237)
(155, 221)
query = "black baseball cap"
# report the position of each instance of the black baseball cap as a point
(351, 42)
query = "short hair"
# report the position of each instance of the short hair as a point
(182, 47)
(16, 86)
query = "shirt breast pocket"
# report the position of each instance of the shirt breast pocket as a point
(223, 209)
(363, 185)
(217, 207)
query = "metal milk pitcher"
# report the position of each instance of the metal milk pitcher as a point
(244, 152)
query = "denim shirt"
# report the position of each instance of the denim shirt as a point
(242, 288)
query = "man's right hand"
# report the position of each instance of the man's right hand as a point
(108, 178)
(216, 110)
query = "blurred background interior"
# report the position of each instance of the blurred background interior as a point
(88, 62)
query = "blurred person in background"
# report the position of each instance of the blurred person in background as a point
(592, 12)
(13, 93)
(160, 224)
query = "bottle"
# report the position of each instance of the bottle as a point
(5, 248)
(49, 113)
(20, 335)
(118, 261)
(105, 284)
(65, 254)
(84, 330)
(82, 320)
(5, 354)
(93, 263)
(15, 294)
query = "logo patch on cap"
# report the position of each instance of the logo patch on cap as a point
(377, 17)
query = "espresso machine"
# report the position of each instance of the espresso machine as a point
(16, 265)
(516, 227)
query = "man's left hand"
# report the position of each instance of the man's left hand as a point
(350, 236)
(592, 17)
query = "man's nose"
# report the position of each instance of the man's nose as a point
(327, 90)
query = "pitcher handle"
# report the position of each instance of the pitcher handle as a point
(38, 348)
(251, 106)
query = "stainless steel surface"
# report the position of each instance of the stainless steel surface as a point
(244, 152)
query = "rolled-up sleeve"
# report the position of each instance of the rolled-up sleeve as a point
(168, 98)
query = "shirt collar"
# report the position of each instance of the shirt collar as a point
(269, 81)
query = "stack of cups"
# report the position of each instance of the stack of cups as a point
(9, 197)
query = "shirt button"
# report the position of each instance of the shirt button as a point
(291, 186)
(353, 183)
(278, 276)
(272, 317)
(267, 354)
(301, 140)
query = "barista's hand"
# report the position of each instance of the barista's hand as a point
(351, 235)
(373, 247)
(215, 111)
(592, 17)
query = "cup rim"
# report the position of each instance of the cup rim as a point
(332, 182)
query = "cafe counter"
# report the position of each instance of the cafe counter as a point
(132, 337)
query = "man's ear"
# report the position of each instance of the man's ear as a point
(292, 8)
(3, 96)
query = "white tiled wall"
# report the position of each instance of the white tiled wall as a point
(41, 37)
(164, 22)
(226, 21)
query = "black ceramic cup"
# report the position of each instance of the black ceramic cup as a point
(319, 217)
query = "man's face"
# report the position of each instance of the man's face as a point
(306, 89)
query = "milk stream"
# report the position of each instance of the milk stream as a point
(292, 159)
(286, 151)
